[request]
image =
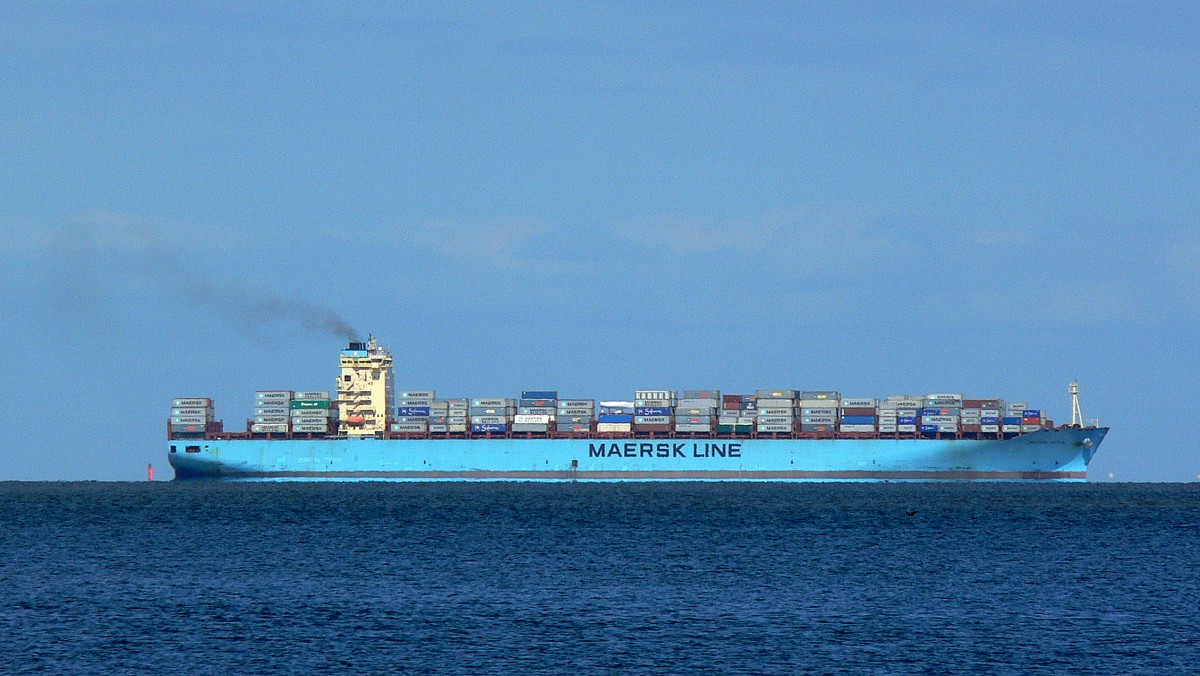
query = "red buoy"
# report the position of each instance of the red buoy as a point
(150, 472)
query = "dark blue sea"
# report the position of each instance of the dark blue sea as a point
(530, 578)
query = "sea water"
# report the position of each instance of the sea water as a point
(599, 578)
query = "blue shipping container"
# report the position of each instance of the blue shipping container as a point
(493, 428)
(906, 421)
(1031, 413)
(858, 420)
(412, 410)
(1011, 421)
(989, 421)
(539, 394)
(929, 429)
(612, 418)
(652, 410)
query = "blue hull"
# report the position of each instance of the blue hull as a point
(1048, 455)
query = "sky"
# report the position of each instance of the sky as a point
(596, 197)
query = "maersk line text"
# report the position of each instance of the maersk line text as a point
(665, 450)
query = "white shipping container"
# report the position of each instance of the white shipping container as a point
(311, 394)
(818, 411)
(532, 419)
(990, 413)
(692, 427)
(776, 420)
(939, 420)
(1030, 428)
(416, 394)
(456, 427)
(1007, 429)
(495, 402)
(654, 394)
(887, 429)
(270, 420)
(614, 427)
(439, 429)
(205, 412)
(906, 428)
(618, 404)
(992, 429)
(489, 420)
(947, 428)
(1017, 406)
(776, 411)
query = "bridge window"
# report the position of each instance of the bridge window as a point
(192, 449)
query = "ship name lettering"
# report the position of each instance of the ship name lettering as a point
(659, 450)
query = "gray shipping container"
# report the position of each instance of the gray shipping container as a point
(188, 420)
(272, 410)
(776, 420)
(494, 402)
(819, 411)
(410, 427)
(309, 428)
(825, 395)
(652, 420)
(818, 419)
(271, 420)
(698, 403)
(692, 427)
(654, 403)
(310, 420)
(858, 428)
(491, 410)
(887, 429)
(859, 403)
(416, 394)
(774, 428)
(530, 427)
(488, 419)
(271, 429)
(311, 394)
(439, 429)
(775, 411)
(576, 403)
(776, 402)
(537, 410)
(188, 429)
(775, 394)
(415, 402)
(204, 412)
(696, 411)
(574, 411)
(191, 402)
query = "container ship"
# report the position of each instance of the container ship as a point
(373, 431)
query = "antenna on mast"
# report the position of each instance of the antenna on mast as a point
(1076, 412)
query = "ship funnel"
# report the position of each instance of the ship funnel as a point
(355, 345)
